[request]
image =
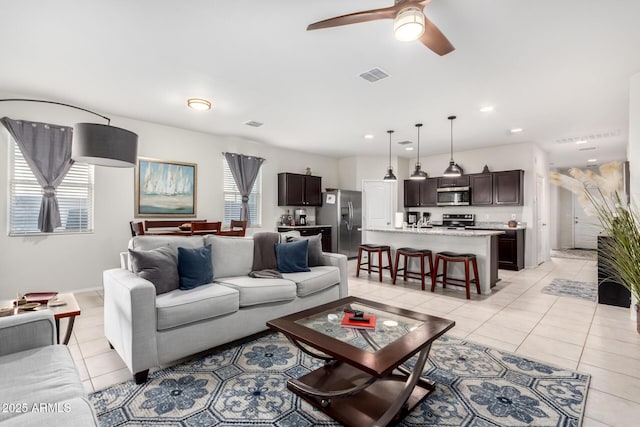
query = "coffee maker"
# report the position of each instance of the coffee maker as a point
(300, 216)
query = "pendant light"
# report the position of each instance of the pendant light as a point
(418, 173)
(453, 170)
(390, 176)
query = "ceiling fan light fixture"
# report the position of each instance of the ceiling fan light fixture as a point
(408, 24)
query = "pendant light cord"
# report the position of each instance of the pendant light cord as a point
(451, 119)
(418, 125)
(390, 132)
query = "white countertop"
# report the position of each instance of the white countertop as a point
(439, 231)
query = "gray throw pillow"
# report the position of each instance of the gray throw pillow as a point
(315, 248)
(159, 266)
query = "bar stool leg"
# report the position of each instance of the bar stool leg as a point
(380, 265)
(466, 278)
(431, 275)
(444, 273)
(475, 273)
(359, 262)
(422, 270)
(433, 279)
(395, 273)
(390, 263)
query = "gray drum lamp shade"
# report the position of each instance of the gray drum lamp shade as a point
(104, 145)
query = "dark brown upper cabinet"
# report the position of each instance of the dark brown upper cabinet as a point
(453, 181)
(481, 188)
(508, 187)
(299, 190)
(419, 193)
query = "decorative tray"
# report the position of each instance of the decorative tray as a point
(41, 297)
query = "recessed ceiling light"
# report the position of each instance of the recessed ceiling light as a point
(592, 160)
(582, 141)
(486, 109)
(199, 104)
(516, 130)
(368, 136)
(409, 148)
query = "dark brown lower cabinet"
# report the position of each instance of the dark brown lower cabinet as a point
(510, 249)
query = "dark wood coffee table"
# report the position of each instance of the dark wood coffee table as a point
(363, 381)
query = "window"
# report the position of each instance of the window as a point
(75, 197)
(233, 199)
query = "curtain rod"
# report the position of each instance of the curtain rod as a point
(224, 153)
(58, 103)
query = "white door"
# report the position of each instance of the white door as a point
(378, 203)
(585, 228)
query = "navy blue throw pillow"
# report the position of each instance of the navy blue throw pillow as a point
(194, 267)
(292, 257)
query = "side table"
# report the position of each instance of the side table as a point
(70, 310)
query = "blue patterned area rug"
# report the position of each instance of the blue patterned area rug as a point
(245, 385)
(570, 288)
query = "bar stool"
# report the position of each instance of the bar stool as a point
(408, 253)
(447, 257)
(371, 249)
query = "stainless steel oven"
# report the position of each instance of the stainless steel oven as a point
(453, 196)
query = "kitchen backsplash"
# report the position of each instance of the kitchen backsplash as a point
(493, 214)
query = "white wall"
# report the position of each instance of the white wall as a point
(633, 147)
(74, 262)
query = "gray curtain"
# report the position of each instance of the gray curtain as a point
(245, 171)
(47, 150)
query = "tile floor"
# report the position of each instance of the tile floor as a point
(596, 339)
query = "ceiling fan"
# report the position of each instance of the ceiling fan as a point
(409, 23)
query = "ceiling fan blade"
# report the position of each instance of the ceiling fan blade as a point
(434, 39)
(354, 18)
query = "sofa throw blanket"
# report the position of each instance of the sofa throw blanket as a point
(265, 264)
(266, 274)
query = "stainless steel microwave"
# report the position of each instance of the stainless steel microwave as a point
(453, 196)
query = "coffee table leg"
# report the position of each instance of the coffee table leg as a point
(305, 350)
(402, 398)
(58, 330)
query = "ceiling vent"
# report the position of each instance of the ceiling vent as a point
(404, 142)
(591, 137)
(374, 74)
(253, 123)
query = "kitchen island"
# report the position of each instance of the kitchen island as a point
(482, 243)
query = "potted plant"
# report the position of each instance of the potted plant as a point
(600, 196)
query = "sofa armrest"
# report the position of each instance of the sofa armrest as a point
(130, 323)
(26, 331)
(340, 261)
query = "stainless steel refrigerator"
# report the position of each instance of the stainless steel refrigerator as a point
(342, 210)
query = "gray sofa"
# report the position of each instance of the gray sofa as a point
(148, 330)
(40, 383)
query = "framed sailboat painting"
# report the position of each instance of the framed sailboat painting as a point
(165, 188)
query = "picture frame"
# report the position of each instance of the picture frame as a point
(165, 188)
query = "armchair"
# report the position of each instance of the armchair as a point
(36, 371)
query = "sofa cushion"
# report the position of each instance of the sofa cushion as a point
(159, 266)
(180, 307)
(319, 278)
(43, 374)
(292, 257)
(194, 267)
(315, 257)
(231, 256)
(260, 291)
